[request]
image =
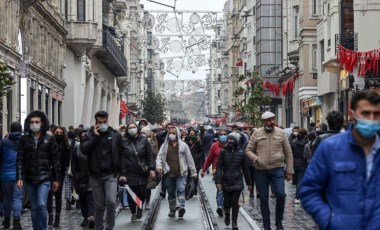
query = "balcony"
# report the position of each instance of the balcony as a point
(112, 56)
(82, 36)
(347, 40)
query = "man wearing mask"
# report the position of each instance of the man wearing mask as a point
(38, 165)
(174, 160)
(102, 145)
(270, 152)
(212, 158)
(142, 123)
(340, 188)
(294, 134)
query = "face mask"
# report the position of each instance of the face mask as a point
(122, 134)
(367, 128)
(172, 137)
(103, 128)
(295, 133)
(58, 137)
(35, 128)
(223, 138)
(132, 132)
(193, 138)
(142, 126)
(268, 128)
(318, 129)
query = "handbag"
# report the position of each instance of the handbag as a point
(142, 168)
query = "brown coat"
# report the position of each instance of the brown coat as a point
(270, 150)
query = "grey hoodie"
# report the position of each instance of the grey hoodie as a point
(186, 161)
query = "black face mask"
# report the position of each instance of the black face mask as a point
(59, 137)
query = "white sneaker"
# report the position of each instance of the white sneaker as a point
(297, 201)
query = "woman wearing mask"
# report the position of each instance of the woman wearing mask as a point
(64, 156)
(196, 151)
(122, 130)
(184, 136)
(232, 164)
(138, 160)
(152, 181)
(299, 162)
(212, 158)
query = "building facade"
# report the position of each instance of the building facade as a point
(95, 58)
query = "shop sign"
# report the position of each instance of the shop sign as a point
(313, 102)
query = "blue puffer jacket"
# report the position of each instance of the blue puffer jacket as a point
(334, 189)
(8, 151)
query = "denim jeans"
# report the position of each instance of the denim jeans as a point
(38, 195)
(275, 178)
(104, 190)
(175, 187)
(219, 198)
(12, 199)
(298, 174)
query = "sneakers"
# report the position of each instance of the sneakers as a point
(91, 223)
(171, 213)
(234, 226)
(134, 218)
(139, 213)
(181, 212)
(297, 201)
(219, 210)
(17, 224)
(84, 222)
(279, 225)
(7, 222)
(56, 222)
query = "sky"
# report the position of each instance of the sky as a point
(186, 5)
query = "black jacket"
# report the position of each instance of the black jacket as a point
(38, 163)
(232, 164)
(90, 146)
(322, 137)
(130, 162)
(298, 146)
(79, 169)
(196, 152)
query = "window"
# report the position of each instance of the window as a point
(219, 77)
(81, 7)
(218, 93)
(322, 45)
(315, 7)
(296, 23)
(149, 38)
(253, 11)
(67, 9)
(314, 57)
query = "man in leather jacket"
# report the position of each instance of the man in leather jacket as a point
(38, 165)
(102, 145)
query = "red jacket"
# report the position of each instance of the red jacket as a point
(213, 156)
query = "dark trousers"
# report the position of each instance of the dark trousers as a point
(298, 174)
(140, 191)
(252, 174)
(163, 184)
(196, 179)
(86, 204)
(58, 200)
(231, 200)
(275, 178)
(148, 195)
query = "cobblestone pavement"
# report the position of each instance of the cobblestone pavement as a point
(294, 217)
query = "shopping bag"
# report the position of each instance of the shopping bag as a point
(133, 196)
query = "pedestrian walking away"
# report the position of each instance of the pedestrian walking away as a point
(38, 166)
(103, 147)
(12, 193)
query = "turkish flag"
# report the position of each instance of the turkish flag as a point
(239, 62)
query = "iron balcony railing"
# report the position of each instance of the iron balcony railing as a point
(347, 40)
(116, 52)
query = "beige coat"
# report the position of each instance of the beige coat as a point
(270, 150)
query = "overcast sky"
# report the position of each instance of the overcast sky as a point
(187, 5)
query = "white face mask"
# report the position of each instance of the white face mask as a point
(132, 131)
(295, 133)
(318, 129)
(35, 128)
(172, 137)
(122, 133)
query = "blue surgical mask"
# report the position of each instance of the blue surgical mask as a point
(367, 128)
(223, 138)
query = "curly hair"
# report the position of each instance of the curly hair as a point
(45, 124)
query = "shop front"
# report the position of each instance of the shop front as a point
(311, 111)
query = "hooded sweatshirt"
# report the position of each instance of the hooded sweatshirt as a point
(8, 156)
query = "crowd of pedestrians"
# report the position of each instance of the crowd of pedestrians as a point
(41, 164)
